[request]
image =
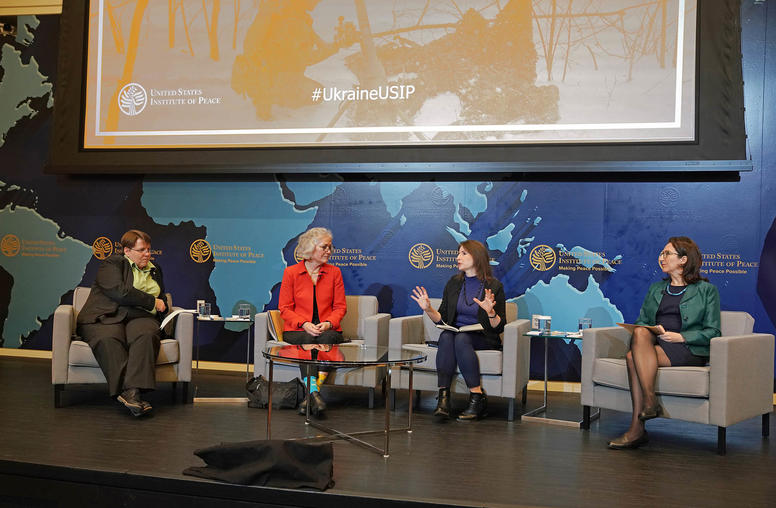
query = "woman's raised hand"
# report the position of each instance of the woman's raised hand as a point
(420, 295)
(488, 301)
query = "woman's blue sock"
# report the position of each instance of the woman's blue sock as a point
(313, 383)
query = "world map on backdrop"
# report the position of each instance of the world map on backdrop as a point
(553, 245)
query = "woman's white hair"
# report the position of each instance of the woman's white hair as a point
(309, 240)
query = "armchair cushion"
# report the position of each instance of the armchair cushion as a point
(430, 329)
(490, 360)
(81, 354)
(678, 381)
(359, 308)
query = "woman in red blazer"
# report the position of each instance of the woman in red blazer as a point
(312, 304)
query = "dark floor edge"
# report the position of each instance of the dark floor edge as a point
(184, 488)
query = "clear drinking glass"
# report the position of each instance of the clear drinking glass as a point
(205, 310)
(585, 322)
(245, 311)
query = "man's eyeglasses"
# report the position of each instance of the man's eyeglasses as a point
(142, 251)
(329, 247)
(667, 253)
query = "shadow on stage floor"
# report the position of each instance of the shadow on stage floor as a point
(93, 453)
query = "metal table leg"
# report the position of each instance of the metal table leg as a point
(388, 414)
(409, 417)
(269, 400)
(351, 436)
(248, 353)
(247, 373)
(530, 416)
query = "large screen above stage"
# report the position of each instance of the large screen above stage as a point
(356, 73)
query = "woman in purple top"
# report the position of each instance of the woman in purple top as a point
(471, 297)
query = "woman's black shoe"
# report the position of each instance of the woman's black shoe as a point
(622, 443)
(477, 408)
(318, 404)
(443, 403)
(651, 412)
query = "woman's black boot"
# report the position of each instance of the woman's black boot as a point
(477, 408)
(443, 403)
(318, 404)
(303, 406)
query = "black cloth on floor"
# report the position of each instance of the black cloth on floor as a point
(271, 463)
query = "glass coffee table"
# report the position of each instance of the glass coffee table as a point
(533, 415)
(352, 356)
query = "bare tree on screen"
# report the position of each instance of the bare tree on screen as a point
(111, 123)
(210, 20)
(640, 30)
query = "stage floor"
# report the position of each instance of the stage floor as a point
(47, 452)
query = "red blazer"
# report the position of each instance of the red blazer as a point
(296, 297)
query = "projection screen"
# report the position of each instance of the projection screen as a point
(364, 73)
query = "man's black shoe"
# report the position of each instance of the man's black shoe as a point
(131, 399)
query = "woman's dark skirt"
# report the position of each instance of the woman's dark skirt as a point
(680, 355)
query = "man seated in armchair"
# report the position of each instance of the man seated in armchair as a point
(120, 320)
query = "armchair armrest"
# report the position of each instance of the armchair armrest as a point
(405, 330)
(61, 335)
(184, 334)
(260, 338)
(611, 342)
(376, 329)
(516, 357)
(741, 378)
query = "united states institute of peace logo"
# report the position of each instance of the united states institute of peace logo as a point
(542, 257)
(10, 245)
(102, 247)
(132, 99)
(199, 250)
(421, 256)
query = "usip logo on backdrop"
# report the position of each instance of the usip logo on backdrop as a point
(421, 256)
(10, 245)
(132, 99)
(102, 247)
(199, 250)
(543, 257)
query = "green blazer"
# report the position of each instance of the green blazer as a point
(699, 309)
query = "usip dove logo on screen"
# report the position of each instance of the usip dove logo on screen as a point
(132, 99)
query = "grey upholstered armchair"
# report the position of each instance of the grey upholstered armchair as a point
(736, 385)
(362, 325)
(504, 373)
(72, 360)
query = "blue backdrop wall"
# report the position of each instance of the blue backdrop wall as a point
(567, 249)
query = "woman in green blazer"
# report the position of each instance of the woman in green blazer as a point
(685, 308)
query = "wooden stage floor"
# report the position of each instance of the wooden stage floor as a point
(93, 453)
